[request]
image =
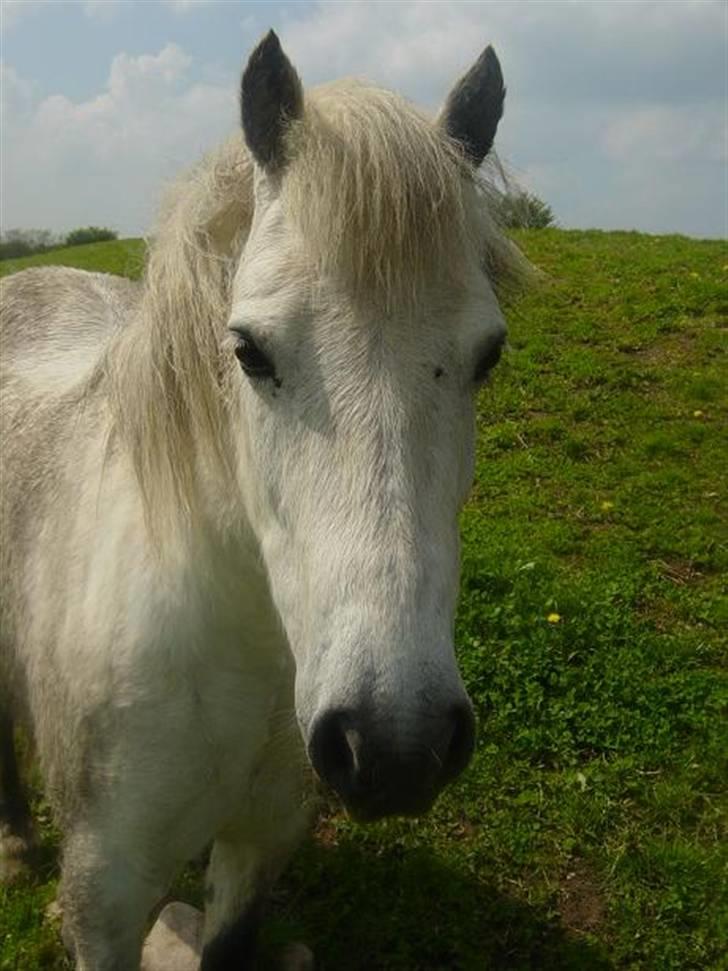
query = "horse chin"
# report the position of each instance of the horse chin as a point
(373, 811)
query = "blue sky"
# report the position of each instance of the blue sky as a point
(615, 114)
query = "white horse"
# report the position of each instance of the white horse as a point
(230, 499)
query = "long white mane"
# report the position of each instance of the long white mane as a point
(385, 202)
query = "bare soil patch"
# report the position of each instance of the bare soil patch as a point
(581, 900)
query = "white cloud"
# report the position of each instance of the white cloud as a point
(16, 94)
(417, 48)
(182, 6)
(103, 160)
(138, 77)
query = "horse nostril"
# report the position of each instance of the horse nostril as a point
(462, 742)
(334, 748)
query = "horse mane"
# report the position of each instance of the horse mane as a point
(382, 199)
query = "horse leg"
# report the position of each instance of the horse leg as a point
(16, 830)
(238, 882)
(108, 894)
(234, 899)
(244, 865)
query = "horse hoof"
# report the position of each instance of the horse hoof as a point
(296, 957)
(175, 941)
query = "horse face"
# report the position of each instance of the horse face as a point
(357, 439)
(358, 454)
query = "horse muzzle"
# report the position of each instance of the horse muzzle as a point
(378, 771)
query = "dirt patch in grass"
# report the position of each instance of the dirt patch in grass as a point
(581, 900)
(678, 571)
(669, 349)
(659, 613)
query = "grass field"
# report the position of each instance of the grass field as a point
(124, 257)
(591, 634)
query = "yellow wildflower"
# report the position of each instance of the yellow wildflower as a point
(606, 505)
(554, 618)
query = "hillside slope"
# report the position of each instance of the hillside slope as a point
(124, 257)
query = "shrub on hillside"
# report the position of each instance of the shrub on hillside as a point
(518, 209)
(24, 242)
(90, 234)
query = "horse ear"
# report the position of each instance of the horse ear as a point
(475, 106)
(270, 95)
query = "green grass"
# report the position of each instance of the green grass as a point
(589, 831)
(122, 256)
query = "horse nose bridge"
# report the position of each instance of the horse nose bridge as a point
(405, 554)
(379, 449)
(381, 510)
(392, 652)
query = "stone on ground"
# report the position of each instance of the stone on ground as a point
(175, 941)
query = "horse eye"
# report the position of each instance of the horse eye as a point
(252, 360)
(488, 360)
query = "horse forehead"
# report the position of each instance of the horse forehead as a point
(278, 260)
(279, 283)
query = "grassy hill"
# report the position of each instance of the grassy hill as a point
(587, 833)
(124, 257)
